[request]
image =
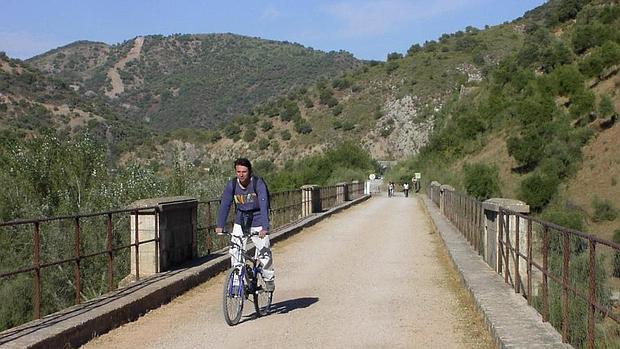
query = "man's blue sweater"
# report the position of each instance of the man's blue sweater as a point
(250, 199)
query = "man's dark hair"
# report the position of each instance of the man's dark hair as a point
(244, 162)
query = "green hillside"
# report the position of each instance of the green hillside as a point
(190, 80)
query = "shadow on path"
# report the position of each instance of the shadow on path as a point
(292, 304)
(285, 307)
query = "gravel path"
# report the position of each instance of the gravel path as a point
(368, 277)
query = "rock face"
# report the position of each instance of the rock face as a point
(403, 130)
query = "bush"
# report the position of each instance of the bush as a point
(481, 181)
(286, 135)
(266, 125)
(604, 210)
(263, 144)
(537, 191)
(527, 150)
(249, 135)
(337, 110)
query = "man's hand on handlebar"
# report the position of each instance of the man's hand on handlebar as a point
(263, 233)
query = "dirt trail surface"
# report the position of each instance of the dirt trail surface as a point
(113, 73)
(368, 277)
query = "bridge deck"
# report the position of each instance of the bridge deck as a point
(367, 277)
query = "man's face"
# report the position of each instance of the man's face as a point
(243, 174)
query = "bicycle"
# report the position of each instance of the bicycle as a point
(243, 280)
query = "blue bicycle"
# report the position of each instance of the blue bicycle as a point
(243, 280)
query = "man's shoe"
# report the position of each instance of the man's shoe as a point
(270, 286)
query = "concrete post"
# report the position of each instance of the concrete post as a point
(354, 187)
(176, 227)
(342, 193)
(435, 192)
(490, 239)
(310, 199)
(442, 197)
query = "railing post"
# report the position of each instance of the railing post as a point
(78, 280)
(37, 271)
(110, 253)
(545, 285)
(529, 261)
(565, 264)
(591, 292)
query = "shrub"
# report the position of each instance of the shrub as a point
(606, 106)
(481, 181)
(263, 144)
(302, 126)
(527, 150)
(286, 135)
(266, 125)
(604, 210)
(232, 130)
(249, 135)
(337, 110)
(537, 190)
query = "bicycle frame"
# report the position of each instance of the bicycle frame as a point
(243, 256)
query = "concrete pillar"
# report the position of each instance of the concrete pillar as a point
(490, 239)
(342, 193)
(435, 192)
(354, 190)
(443, 189)
(174, 220)
(310, 200)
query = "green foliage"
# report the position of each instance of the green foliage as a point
(481, 181)
(600, 58)
(528, 150)
(604, 210)
(232, 131)
(285, 134)
(344, 162)
(537, 190)
(266, 125)
(582, 103)
(568, 79)
(249, 135)
(302, 126)
(394, 56)
(263, 144)
(606, 106)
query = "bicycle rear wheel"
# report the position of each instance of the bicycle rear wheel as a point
(262, 298)
(233, 297)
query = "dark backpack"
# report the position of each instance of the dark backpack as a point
(254, 180)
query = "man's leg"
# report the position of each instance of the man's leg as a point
(263, 252)
(235, 251)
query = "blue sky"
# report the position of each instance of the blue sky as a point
(366, 28)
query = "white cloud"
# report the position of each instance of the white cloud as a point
(374, 18)
(24, 45)
(270, 13)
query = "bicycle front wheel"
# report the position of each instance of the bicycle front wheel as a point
(233, 297)
(262, 298)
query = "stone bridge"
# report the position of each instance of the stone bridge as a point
(370, 272)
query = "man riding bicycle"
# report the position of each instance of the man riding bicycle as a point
(251, 216)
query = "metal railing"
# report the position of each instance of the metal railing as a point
(560, 271)
(93, 236)
(91, 253)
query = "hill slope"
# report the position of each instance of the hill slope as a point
(190, 80)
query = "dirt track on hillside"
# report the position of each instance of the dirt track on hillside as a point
(369, 277)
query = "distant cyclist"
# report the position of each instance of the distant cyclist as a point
(251, 198)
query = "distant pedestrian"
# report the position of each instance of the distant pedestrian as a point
(406, 189)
